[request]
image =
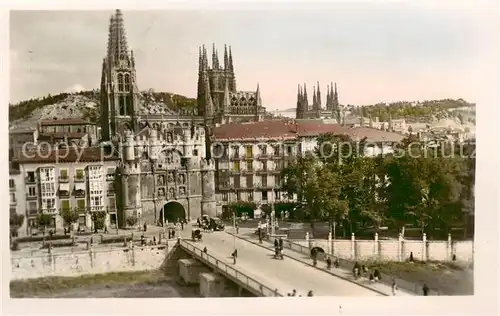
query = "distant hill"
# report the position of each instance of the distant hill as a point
(84, 105)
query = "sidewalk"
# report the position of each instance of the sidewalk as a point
(338, 272)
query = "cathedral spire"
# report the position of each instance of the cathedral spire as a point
(209, 106)
(117, 40)
(214, 57)
(231, 66)
(227, 101)
(226, 58)
(318, 97)
(257, 97)
(200, 60)
(314, 97)
(305, 96)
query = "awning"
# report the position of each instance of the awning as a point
(80, 186)
(64, 187)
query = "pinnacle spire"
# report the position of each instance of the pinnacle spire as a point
(117, 40)
(231, 67)
(227, 102)
(226, 58)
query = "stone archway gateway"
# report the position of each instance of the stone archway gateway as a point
(172, 211)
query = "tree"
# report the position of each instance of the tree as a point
(132, 220)
(70, 216)
(98, 218)
(44, 220)
(15, 222)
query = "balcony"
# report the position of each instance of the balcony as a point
(12, 189)
(79, 178)
(248, 171)
(63, 193)
(235, 156)
(50, 211)
(31, 197)
(32, 212)
(30, 180)
(13, 202)
(97, 208)
(236, 171)
(263, 156)
(63, 179)
(79, 193)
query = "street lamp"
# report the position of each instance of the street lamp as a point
(273, 224)
(234, 218)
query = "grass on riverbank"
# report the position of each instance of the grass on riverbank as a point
(60, 284)
(447, 278)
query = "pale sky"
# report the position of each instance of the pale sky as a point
(376, 52)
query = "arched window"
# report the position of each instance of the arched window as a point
(121, 103)
(127, 82)
(120, 82)
(130, 110)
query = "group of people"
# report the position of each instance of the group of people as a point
(294, 293)
(278, 248)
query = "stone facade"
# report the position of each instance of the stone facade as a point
(164, 171)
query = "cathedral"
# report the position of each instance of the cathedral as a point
(306, 111)
(165, 171)
(218, 99)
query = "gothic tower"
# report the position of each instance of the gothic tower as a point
(119, 93)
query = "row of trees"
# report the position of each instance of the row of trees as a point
(404, 109)
(431, 189)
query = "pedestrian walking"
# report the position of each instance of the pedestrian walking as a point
(394, 287)
(425, 289)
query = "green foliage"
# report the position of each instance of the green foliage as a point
(241, 207)
(132, 220)
(70, 216)
(426, 188)
(405, 109)
(16, 220)
(98, 218)
(44, 220)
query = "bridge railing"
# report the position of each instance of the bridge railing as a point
(231, 273)
(346, 264)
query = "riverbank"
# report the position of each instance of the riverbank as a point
(152, 284)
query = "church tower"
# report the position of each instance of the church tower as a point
(119, 93)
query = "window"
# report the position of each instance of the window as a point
(65, 205)
(95, 173)
(127, 82)
(31, 176)
(248, 151)
(80, 204)
(236, 165)
(249, 181)
(195, 152)
(249, 165)
(225, 196)
(237, 181)
(276, 149)
(111, 203)
(236, 150)
(263, 149)
(250, 196)
(289, 150)
(238, 196)
(264, 166)
(79, 174)
(63, 174)
(277, 195)
(96, 201)
(32, 207)
(47, 174)
(121, 104)
(120, 82)
(12, 198)
(277, 180)
(264, 181)
(48, 203)
(264, 195)
(31, 191)
(12, 184)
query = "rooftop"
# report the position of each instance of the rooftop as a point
(70, 155)
(65, 121)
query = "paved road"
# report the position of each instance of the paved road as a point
(285, 275)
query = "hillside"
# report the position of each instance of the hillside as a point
(85, 105)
